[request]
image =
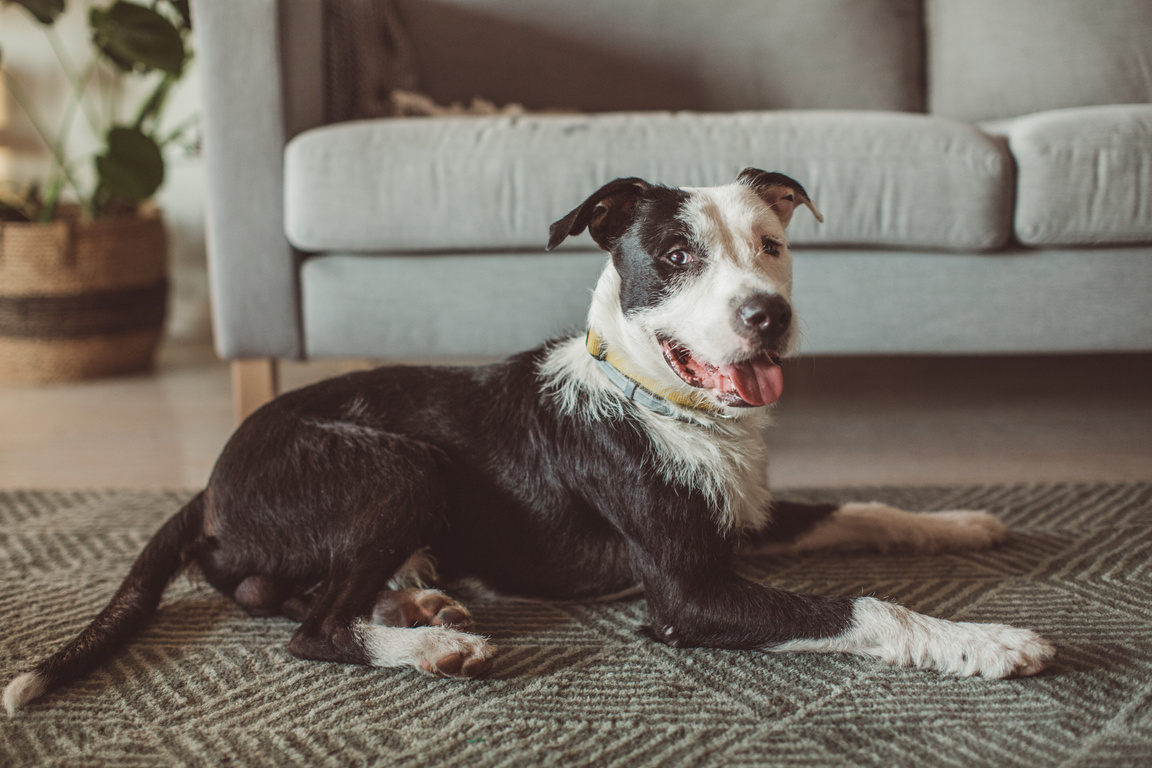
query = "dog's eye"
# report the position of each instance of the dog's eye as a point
(770, 246)
(680, 257)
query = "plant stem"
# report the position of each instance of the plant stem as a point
(38, 125)
(51, 196)
(78, 84)
(179, 130)
(154, 103)
(54, 186)
(103, 94)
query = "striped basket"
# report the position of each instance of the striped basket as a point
(81, 299)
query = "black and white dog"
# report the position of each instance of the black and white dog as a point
(628, 459)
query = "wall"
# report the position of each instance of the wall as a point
(29, 59)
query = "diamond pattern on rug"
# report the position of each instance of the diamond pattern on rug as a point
(576, 684)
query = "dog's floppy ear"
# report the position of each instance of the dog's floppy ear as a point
(606, 213)
(781, 193)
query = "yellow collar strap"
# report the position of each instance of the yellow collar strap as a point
(641, 389)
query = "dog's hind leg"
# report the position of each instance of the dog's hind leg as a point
(416, 607)
(873, 526)
(427, 629)
(262, 596)
(419, 570)
(412, 603)
(412, 600)
(340, 626)
(354, 618)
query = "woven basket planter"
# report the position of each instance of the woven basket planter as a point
(81, 299)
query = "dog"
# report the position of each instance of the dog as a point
(629, 458)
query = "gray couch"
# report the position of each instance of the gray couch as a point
(984, 167)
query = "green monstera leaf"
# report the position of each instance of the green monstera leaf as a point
(132, 167)
(135, 38)
(45, 11)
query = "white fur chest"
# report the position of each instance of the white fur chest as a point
(727, 462)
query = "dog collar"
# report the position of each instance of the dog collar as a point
(641, 389)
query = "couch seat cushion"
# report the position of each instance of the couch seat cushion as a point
(489, 183)
(403, 306)
(424, 307)
(1084, 175)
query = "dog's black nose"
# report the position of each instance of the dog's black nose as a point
(764, 316)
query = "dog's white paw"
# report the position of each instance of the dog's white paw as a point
(899, 636)
(965, 649)
(455, 654)
(439, 651)
(1006, 651)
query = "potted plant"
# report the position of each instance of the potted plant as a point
(83, 253)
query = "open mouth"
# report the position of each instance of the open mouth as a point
(747, 384)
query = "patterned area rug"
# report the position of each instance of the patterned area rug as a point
(575, 684)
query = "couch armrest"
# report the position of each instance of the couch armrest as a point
(253, 271)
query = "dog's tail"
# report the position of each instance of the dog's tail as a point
(130, 608)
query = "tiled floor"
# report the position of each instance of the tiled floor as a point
(868, 421)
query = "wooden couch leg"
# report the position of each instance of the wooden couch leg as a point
(255, 381)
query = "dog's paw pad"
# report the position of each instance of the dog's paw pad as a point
(436, 609)
(476, 666)
(461, 656)
(445, 666)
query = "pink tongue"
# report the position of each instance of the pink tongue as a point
(758, 382)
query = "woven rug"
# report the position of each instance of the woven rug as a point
(574, 684)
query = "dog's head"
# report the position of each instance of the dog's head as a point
(697, 295)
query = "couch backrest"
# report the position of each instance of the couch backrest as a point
(965, 59)
(991, 59)
(605, 55)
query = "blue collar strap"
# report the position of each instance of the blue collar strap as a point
(636, 392)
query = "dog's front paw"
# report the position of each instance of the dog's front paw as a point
(964, 649)
(998, 650)
(899, 636)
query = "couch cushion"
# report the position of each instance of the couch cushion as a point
(991, 59)
(1020, 300)
(443, 306)
(856, 302)
(607, 55)
(1084, 175)
(881, 179)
